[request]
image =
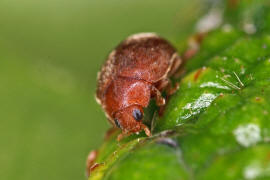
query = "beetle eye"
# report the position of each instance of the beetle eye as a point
(117, 123)
(137, 114)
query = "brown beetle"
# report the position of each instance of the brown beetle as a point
(136, 71)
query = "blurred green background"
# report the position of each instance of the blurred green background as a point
(50, 52)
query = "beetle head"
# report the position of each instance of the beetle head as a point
(130, 119)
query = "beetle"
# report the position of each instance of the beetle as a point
(137, 70)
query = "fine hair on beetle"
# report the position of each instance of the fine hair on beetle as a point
(137, 70)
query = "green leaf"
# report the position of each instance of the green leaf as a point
(217, 123)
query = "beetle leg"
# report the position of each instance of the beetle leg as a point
(194, 44)
(176, 63)
(146, 130)
(172, 89)
(122, 135)
(90, 162)
(162, 84)
(169, 88)
(160, 101)
(167, 85)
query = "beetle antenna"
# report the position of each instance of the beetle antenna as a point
(153, 122)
